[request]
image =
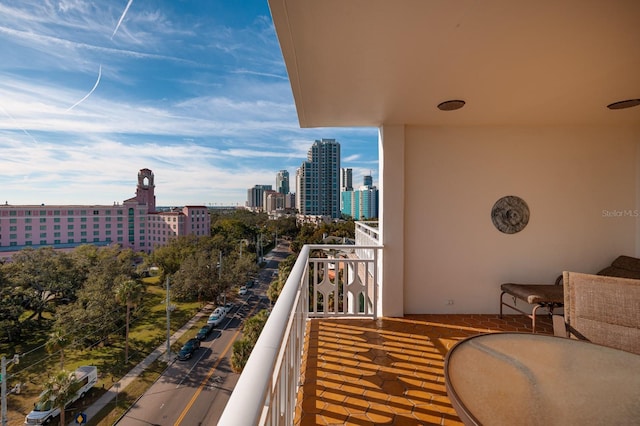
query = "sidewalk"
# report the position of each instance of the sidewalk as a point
(121, 384)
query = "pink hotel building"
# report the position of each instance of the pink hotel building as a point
(133, 224)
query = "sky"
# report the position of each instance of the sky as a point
(92, 91)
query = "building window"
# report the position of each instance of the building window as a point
(83, 233)
(27, 243)
(56, 227)
(13, 228)
(95, 212)
(43, 235)
(69, 234)
(56, 212)
(83, 226)
(13, 236)
(56, 235)
(69, 226)
(83, 219)
(96, 225)
(13, 220)
(96, 233)
(70, 212)
(69, 219)
(13, 213)
(56, 219)
(43, 220)
(27, 220)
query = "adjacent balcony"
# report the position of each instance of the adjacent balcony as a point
(325, 357)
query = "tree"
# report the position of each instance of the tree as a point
(241, 350)
(243, 347)
(57, 342)
(96, 313)
(11, 299)
(129, 293)
(47, 278)
(253, 326)
(59, 391)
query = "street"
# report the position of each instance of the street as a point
(195, 391)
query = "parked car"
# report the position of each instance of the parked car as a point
(204, 332)
(228, 307)
(45, 412)
(217, 316)
(250, 283)
(243, 290)
(188, 349)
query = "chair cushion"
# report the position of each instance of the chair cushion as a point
(535, 293)
(627, 262)
(613, 271)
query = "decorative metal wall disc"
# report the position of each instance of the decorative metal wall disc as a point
(510, 214)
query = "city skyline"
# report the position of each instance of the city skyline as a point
(197, 92)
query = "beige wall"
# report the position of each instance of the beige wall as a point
(453, 176)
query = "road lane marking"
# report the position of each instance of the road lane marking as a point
(211, 372)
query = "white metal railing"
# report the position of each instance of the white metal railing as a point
(267, 388)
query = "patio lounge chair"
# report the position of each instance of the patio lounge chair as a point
(551, 296)
(601, 309)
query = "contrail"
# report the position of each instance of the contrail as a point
(20, 127)
(90, 92)
(121, 18)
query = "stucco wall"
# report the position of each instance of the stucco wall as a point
(570, 178)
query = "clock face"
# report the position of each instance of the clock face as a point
(510, 214)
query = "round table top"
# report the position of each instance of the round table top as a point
(524, 378)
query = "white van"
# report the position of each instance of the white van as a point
(43, 413)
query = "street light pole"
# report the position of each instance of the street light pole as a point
(5, 378)
(224, 294)
(168, 323)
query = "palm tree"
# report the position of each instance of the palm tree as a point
(59, 391)
(57, 342)
(128, 292)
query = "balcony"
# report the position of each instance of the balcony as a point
(324, 356)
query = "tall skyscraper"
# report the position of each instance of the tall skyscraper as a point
(361, 204)
(255, 196)
(318, 180)
(346, 179)
(282, 182)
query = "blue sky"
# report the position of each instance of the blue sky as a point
(197, 91)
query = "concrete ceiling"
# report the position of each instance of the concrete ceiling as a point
(542, 62)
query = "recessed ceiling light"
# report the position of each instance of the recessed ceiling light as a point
(451, 105)
(629, 103)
